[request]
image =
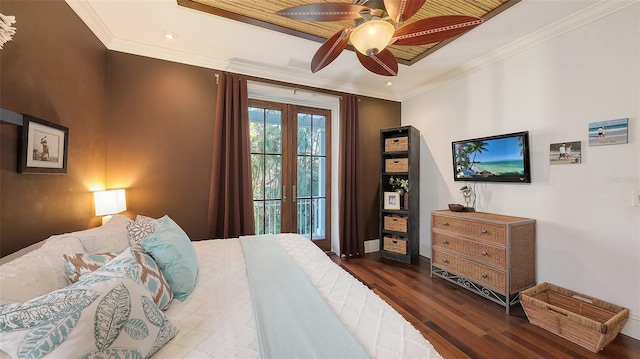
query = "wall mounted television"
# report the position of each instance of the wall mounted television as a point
(501, 158)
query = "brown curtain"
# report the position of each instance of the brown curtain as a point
(351, 223)
(230, 194)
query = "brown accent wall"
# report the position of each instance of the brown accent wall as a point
(160, 137)
(375, 114)
(54, 69)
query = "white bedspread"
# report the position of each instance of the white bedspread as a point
(216, 320)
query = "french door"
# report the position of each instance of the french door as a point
(290, 167)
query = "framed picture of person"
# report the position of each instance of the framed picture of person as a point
(610, 132)
(565, 153)
(43, 147)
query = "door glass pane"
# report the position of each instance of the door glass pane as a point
(304, 176)
(319, 174)
(304, 213)
(273, 132)
(318, 218)
(257, 176)
(272, 217)
(305, 139)
(256, 129)
(272, 173)
(258, 216)
(319, 135)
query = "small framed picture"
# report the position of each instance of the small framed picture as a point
(610, 132)
(43, 147)
(391, 200)
(565, 153)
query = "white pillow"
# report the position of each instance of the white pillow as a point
(110, 237)
(38, 272)
(97, 317)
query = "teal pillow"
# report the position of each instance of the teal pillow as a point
(172, 250)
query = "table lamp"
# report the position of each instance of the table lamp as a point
(109, 202)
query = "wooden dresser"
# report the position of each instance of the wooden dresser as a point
(489, 254)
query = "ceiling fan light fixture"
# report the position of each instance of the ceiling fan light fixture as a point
(371, 37)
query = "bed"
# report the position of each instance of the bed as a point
(220, 316)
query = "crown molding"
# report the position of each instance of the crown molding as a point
(156, 52)
(88, 15)
(570, 23)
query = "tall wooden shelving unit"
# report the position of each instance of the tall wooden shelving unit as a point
(400, 228)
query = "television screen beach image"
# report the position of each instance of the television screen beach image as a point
(609, 132)
(503, 158)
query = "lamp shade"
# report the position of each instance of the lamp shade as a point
(110, 202)
(371, 37)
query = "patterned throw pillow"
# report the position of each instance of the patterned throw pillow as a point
(138, 265)
(97, 317)
(79, 264)
(141, 218)
(141, 228)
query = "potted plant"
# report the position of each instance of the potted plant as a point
(401, 185)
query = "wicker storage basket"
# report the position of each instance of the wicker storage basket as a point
(396, 144)
(395, 223)
(586, 321)
(396, 165)
(396, 245)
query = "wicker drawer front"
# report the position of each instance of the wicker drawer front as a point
(396, 245)
(396, 223)
(396, 144)
(473, 271)
(484, 253)
(396, 165)
(490, 232)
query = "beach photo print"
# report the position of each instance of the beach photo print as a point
(565, 153)
(610, 132)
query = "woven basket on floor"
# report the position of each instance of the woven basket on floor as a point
(589, 322)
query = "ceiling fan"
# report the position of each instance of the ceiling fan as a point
(377, 26)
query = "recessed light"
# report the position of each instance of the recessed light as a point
(389, 83)
(169, 35)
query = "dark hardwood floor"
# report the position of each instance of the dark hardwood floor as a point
(461, 324)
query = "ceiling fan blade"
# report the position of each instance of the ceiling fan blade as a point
(384, 63)
(434, 29)
(323, 12)
(400, 10)
(330, 50)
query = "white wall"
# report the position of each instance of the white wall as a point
(588, 234)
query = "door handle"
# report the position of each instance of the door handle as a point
(284, 193)
(294, 195)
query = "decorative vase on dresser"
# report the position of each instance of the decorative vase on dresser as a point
(489, 254)
(400, 181)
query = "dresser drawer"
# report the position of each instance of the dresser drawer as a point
(490, 232)
(473, 271)
(483, 253)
